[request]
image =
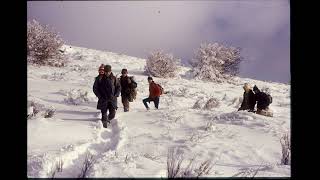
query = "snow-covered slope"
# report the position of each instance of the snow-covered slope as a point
(137, 143)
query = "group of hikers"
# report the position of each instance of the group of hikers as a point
(108, 87)
(253, 96)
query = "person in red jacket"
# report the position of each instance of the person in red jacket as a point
(154, 94)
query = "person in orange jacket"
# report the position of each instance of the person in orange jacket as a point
(154, 94)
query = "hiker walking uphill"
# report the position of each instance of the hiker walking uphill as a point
(128, 91)
(248, 101)
(263, 101)
(155, 90)
(107, 88)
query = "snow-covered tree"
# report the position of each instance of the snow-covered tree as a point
(160, 64)
(216, 62)
(43, 45)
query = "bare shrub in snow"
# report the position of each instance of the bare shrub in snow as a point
(49, 112)
(34, 108)
(76, 97)
(204, 168)
(160, 64)
(211, 103)
(215, 62)
(37, 109)
(286, 149)
(151, 156)
(247, 172)
(181, 92)
(210, 126)
(126, 160)
(52, 173)
(87, 165)
(188, 171)
(196, 136)
(77, 56)
(43, 45)
(174, 162)
(176, 170)
(79, 68)
(198, 104)
(58, 167)
(56, 76)
(225, 97)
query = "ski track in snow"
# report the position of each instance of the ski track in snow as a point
(235, 139)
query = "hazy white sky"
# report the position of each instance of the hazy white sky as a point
(261, 28)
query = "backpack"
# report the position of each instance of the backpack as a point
(133, 91)
(268, 98)
(161, 89)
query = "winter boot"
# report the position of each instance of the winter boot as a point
(104, 120)
(105, 124)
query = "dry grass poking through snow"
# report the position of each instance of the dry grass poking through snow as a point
(286, 149)
(87, 165)
(176, 170)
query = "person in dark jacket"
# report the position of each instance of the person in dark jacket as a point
(248, 101)
(263, 101)
(127, 84)
(107, 88)
(154, 94)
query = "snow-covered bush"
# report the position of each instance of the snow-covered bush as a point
(286, 149)
(76, 96)
(160, 64)
(215, 62)
(211, 103)
(43, 45)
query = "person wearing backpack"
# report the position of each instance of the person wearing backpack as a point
(155, 90)
(248, 101)
(128, 89)
(107, 88)
(263, 102)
